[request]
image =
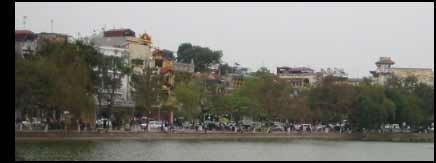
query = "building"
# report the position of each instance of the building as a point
(53, 38)
(355, 81)
(424, 75)
(119, 33)
(25, 41)
(122, 95)
(385, 71)
(140, 54)
(298, 76)
(114, 37)
(183, 67)
(235, 78)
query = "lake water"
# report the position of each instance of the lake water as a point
(221, 150)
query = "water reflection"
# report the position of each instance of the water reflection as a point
(221, 150)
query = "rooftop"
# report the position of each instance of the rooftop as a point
(22, 35)
(385, 60)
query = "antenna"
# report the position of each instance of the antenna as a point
(24, 22)
(51, 25)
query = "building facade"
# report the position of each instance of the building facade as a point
(25, 41)
(298, 76)
(122, 95)
(385, 71)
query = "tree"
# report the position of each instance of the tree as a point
(188, 95)
(55, 78)
(169, 54)
(333, 101)
(426, 94)
(369, 108)
(203, 57)
(146, 90)
(225, 69)
(112, 70)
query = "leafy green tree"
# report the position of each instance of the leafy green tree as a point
(225, 69)
(331, 100)
(369, 111)
(188, 95)
(146, 90)
(203, 57)
(169, 54)
(55, 78)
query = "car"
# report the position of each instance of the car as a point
(391, 128)
(26, 124)
(396, 128)
(155, 124)
(277, 127)
(143, 125)
(211, 124)
(187, 124)
(419, 130)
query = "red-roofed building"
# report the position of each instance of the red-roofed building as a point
(25, 41)
(23, 35)
(119, 33)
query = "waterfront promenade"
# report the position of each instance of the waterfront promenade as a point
(92, 135)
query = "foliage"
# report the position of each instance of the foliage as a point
(203, 57)
(188, 94)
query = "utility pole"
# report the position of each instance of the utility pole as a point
(51, 25)
(24, 22)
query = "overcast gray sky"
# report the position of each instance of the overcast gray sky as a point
(319, 35)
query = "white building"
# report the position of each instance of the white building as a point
(123, 94)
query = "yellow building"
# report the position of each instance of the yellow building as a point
(423, 75)
(384, 72)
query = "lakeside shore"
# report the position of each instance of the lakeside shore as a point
(389, 137)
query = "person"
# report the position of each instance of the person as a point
(161, 127)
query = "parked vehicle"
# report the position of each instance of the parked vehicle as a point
(391, 128)
(211, 124)
(187, 124)
(155, 124)
(277, 126)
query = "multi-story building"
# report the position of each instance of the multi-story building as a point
(298, 76)
(385, 71)
(53, 38)
(122, 95)
(117, 42)
(235, 78)
(140, 53)
(115, 38)
(25, 41)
